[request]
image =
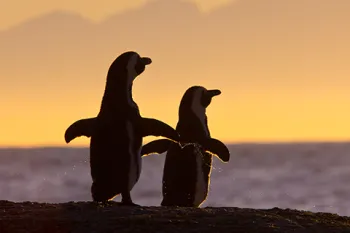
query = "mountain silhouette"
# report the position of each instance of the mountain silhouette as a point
(244, 33)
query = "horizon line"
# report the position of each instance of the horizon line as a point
(41, 146)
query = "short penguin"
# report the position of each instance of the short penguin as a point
(117, 132)
(187, 168)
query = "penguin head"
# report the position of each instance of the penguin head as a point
(207, 95)
(130, 64)
(136, 64)
(197, 99)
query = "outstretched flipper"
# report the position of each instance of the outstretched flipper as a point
(83, 127)
(153, 127)
(156, 147)
(217, 148)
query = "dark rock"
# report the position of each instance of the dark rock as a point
(88, 217)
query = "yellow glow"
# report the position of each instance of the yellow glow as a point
(271, 119)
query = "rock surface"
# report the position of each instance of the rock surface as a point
(87, 217)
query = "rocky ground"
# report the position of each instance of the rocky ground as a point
(88, 217)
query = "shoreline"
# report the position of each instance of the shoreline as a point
(90, 217)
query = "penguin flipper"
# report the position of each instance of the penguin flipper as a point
(153, 127)
(217, 148)
(156, 147)
(80, 128)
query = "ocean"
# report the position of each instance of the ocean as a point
(305, 176)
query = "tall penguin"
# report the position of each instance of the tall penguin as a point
(116, 133)
(187, 168)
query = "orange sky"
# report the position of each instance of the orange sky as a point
(282, 66)
(18, 11)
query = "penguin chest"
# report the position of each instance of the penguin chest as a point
(201, 186)
(134, 149)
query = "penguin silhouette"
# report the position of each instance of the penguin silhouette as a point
(187, 167)
(117, 131)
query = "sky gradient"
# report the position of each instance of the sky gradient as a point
(282, 66)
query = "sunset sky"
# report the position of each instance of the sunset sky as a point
(282, 65)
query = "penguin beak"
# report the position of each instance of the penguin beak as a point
(213, 93)
(146, 60)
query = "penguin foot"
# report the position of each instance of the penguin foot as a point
(126, 200)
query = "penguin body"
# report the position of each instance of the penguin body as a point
(117, 131)
(187, 168)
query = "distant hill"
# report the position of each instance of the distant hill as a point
(250, 40)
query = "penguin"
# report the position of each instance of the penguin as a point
(117, 131)
(187, 168)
